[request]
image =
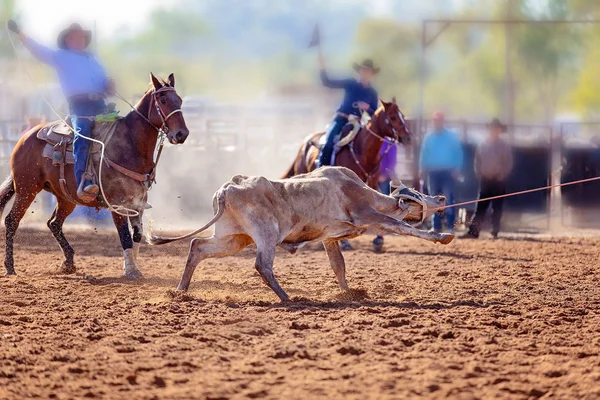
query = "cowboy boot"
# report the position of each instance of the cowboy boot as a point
(87, 191)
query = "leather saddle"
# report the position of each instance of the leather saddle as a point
(346, 136)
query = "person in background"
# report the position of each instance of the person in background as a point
(493, 164)
(85, 85)
(359, 96)
(440, 163)
(389, 155)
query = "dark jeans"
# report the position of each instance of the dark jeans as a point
(384, 187)
(81, 146)
(488, 188)
(442, 182)
(330, 138)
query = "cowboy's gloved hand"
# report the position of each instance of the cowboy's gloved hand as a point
(12, 26)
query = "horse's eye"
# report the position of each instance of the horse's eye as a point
(163, 101)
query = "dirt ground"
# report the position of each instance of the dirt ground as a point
(512, 318)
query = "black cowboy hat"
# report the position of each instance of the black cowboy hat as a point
(367, 63)
(496, 123)
(62, 36)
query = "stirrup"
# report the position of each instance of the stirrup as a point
(89, 193)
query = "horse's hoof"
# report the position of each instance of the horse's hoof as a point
(66, 269)
(346, 246)
(133, 275)
(10, 273)
(378, 244)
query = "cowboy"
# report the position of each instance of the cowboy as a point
(493, 164)
(440, 162)
(359, 96)
(85, 85)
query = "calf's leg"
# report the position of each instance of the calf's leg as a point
(265, 256)
(203, 248)
(382, 222)
(336, 260)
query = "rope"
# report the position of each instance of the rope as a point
(464, 203)
(117, 209)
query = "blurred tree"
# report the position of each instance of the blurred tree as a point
(7, 9)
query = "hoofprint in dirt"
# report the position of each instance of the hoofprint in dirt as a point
(488, 319)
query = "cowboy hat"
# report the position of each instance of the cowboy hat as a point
(367, 63)
(62, 36)
(496, 123)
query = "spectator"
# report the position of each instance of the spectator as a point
(388, 154)
(493, 164)
(440, 162)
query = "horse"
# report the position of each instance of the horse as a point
(360, 153)
(129, 172)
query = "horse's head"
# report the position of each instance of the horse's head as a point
(392, 122)
(165, 109)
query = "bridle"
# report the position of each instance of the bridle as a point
(395, 140)
(164, 117)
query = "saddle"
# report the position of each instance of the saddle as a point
(59, 139)
(346, 136)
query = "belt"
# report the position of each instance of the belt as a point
(88, 96)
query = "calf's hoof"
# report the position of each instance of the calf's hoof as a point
(66, 268)
(446, 238)
(133, 275)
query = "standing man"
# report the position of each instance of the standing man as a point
(440, 162)
(359, 96)
(493, 164)
(85, 85)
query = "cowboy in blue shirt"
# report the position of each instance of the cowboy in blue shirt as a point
(85, 85)
(359, 96)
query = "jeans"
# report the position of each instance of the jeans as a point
(442, 182)
(488, 188)
(330, 138)
(85, 126)
(384, 187)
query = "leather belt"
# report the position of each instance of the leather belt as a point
(88, 96)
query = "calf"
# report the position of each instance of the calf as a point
(326, 205)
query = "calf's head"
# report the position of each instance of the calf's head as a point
(415, 206)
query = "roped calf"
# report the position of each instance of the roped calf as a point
(326, 205)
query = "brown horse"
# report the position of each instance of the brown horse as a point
(130, 153)
(361, 155)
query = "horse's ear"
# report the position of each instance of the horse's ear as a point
(155, 82)
(385, 105)
(172, 80)
(394, 100)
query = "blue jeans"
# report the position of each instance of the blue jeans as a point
(330, 136)
(85, 126)
(442, 182)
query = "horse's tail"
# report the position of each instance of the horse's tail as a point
(292, 170)
(7, 191)
(156, 240)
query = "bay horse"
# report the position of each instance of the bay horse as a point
(130, 155)
(361, 155)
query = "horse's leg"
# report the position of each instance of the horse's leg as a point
(63, 209)
(130, 269)
(138, 233)
(23, 200)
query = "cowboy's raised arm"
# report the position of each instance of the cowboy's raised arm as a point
(333, 83)
(40, 52)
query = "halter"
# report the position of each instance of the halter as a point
(164, 128)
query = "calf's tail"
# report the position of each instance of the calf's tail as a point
(156, 240)
(7, 191)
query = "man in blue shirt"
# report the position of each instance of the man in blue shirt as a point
(85, 85)
(359, 96)
(441, 161)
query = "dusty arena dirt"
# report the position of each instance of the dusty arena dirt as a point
(512, 319)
